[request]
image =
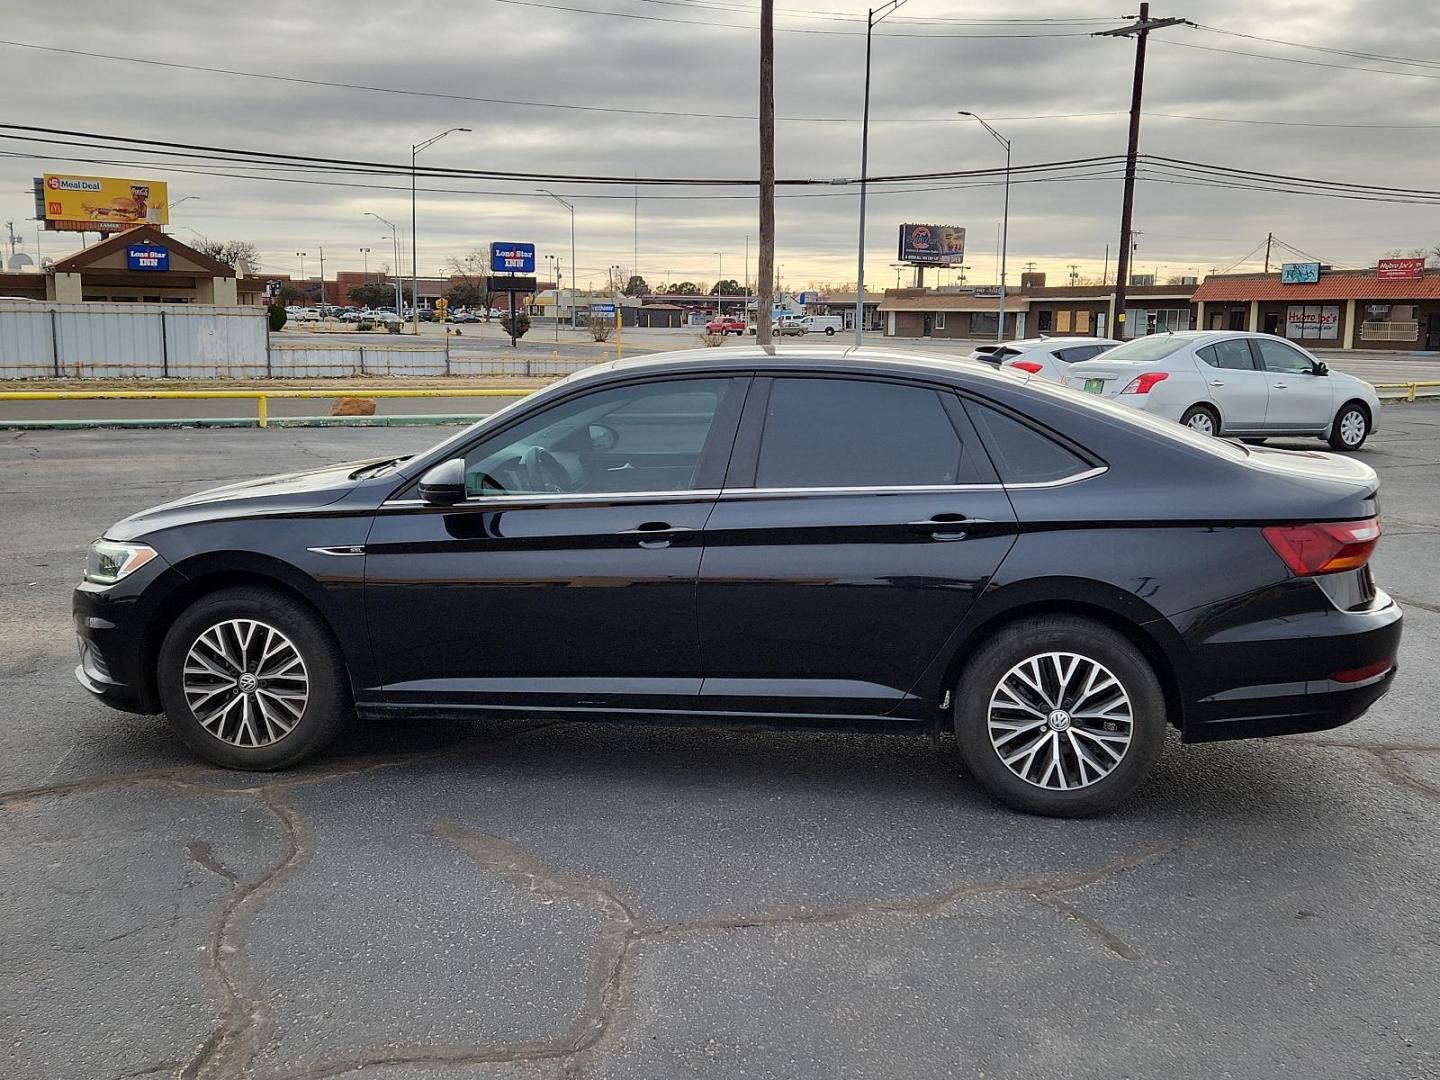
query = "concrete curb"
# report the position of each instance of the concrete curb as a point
(411, 420)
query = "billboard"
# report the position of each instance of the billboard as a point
(147, 257)
(1299, 273)
(512, 258)
(1391, 269)
(932, 245)
(101, 203)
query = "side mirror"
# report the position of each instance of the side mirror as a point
(444, 485)
(1322, 368)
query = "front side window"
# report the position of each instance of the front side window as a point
(643, 437)
(1233, 355)
(856, 433)
(1280, 359)
(1021, 454)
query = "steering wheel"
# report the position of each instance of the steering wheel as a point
(543, 472)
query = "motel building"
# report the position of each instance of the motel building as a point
(1394, 305)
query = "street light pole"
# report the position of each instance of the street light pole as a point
(875, 15)
(573, 268)
(721, 256)
(399, 274)
(414, 239)
(365, 253)
(1005, 218)
(301, 256)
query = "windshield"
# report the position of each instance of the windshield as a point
(1155, 347)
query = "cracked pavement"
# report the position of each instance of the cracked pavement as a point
(554, 900)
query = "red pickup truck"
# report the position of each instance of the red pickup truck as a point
(725, 325)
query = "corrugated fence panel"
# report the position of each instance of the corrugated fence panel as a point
(305, 359)
(210, 342)
(27, 344)
(96, 341)
(110, 341)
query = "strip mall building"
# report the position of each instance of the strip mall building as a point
(1342, 309)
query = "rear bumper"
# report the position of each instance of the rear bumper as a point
(1275, 677)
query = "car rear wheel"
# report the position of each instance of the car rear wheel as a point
(1350, 429)
(1201, 419)
(251, 678)
(829, 331)
(1059, 715)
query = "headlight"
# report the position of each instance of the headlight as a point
(110, 560)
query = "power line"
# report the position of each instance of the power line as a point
(1380, 57)
(778, 29)
(1288, 59)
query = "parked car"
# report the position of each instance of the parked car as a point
(725, 325)
(829, 325)
(384, 318)
(305, 314)
(1230, 382)
(888, 539)
(1050, 358)
(463, 317)
(783, 326)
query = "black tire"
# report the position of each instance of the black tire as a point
(829, 331)
(1253, 442)
(1096, 644)
(323, 712)
(1193, 415)
(1350, 411)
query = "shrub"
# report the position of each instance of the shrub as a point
(712, 340)
(522, 323)
(277, 315)
(600, 329)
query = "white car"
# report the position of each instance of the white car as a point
(1049, 358)
(305, 314)
(1228, 382)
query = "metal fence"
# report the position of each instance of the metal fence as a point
(47, 340)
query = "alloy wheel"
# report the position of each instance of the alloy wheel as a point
(1352, 427)
(1060, 721)
(245, 682)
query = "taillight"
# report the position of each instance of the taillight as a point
(1026, 365)
(1324, 549)
(1141, 384)
(1360, 674)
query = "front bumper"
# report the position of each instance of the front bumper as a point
(111, 646)
(1273, 677)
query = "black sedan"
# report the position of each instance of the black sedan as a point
(806, 536)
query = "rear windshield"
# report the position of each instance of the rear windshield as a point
(1155, 347)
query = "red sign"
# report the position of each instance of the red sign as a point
(1390, 269)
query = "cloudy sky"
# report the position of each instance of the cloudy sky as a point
(701, 57)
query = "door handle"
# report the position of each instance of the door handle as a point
(945, 526)
(1281, 385)
(656, 534)
(1217, 382)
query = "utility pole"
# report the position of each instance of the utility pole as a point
(874, 16)
(1074, 273)
(323, 301)
(1140, 30)
(1269, 239)
(765, 269)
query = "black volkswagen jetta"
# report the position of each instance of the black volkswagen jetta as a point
(863, 537)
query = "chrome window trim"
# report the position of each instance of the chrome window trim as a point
(747, 492)
(530, 499)
(916, 488)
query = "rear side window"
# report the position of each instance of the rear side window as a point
(1233, 354)
(1078, 353)
(1020, 453)
(856, 433)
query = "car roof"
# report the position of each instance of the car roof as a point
(951, 367)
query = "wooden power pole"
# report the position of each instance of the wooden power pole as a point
(1140, 30)
(765, 271)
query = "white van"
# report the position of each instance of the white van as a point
(830, 325)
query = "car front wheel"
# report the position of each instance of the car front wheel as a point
(1059, 715)
(251, 678)
(1350, 429)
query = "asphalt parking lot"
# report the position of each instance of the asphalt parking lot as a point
(509, 899)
